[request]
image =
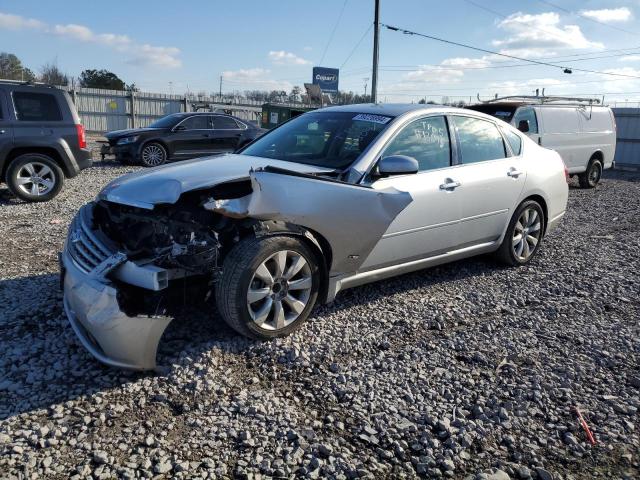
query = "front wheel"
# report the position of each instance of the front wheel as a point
(268, 286)
(524, 235)
(592, 176)
(153, 154)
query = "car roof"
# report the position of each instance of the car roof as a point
(191, 114)
(391, 109)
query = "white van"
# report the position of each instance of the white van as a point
(583, 134)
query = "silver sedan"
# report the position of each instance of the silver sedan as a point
(332, 199)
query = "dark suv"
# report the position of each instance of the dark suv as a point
(41, 140)
(180, 136)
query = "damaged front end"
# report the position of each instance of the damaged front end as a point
(129, 266)
(125, 271)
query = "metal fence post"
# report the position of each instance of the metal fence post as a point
(133, 109)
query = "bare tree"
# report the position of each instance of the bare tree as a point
(51, 74)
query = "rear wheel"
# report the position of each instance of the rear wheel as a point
(268, 286)
(592, 176)
(524, 235)
(34, 177)
(153, 154)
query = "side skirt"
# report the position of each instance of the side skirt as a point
(336, 284)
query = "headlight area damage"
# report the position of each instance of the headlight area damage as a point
(127, 270)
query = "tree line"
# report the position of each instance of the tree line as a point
(11, 68)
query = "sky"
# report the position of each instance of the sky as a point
(174, 47)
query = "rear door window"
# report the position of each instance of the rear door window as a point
(36, 107)
(224, 123)
(479, 140)
(529, 115)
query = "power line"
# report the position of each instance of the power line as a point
(356, 46)
(584, 17)
(547, 64)
(335, 27)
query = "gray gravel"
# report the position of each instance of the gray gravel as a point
(464, 371)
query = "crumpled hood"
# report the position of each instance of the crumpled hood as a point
(164, 184)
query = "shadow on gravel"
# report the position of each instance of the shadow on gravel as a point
(42, 362)
(8, 198)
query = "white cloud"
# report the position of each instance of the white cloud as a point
(629, 58)
(434, 74)
(140, 53)
(16, 22)
(280, 57)
(541, 34)
(622, 14)
(528, 87)
(245, 74)
(254, 78)
(464, 62)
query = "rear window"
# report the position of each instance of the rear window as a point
(36, 107)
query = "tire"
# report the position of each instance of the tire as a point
(34, 177)
(153, 154)
(513, 252)
(592, 176)
(244, 271)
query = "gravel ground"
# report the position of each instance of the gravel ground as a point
(463, 371)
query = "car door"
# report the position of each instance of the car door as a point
(6, 128)
(429, 224)
(191, 138)
(491, 177)
(227, 134)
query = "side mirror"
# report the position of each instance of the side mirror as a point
(397, 165)
(523, 126)
(179, 128)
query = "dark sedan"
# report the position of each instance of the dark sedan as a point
(180, 136)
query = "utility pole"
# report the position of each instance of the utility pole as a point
(220, 87)
(376, 34)
(365, 86)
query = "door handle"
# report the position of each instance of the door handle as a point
(514, 172)
(449, 184)
(2, 131)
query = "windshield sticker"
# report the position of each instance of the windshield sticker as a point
(372, 118)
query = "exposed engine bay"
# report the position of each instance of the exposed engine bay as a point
(182, 236)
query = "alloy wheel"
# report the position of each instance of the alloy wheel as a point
(279, 290)
(35, 178)
(526, 234)
(153, 155)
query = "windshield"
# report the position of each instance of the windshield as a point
(166, 122)
(503, 112)
(325, 139)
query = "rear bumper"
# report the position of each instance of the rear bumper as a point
(553, 223)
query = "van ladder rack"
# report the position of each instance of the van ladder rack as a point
(537, 99)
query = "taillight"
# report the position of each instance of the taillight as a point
(82, 138)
